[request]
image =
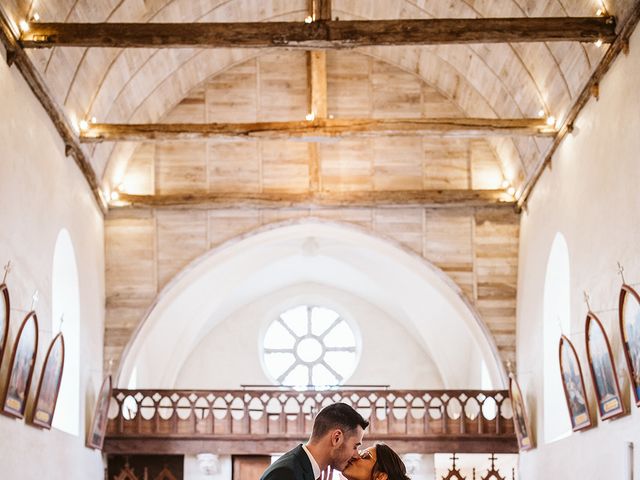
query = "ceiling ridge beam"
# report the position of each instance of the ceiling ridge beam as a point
(320, 199)
(317, 106)
(319, 128)
(320, 33)
(591, 88)
(17, 56)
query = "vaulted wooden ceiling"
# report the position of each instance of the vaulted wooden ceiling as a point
(518, 80)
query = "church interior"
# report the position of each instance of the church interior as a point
(219, 216)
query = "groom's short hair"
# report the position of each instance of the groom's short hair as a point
(337, 415)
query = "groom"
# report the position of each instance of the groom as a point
(335, 440)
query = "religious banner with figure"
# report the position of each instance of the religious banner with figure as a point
(23, 360)
(603, 369)
(573, 384)
(629, 315)
(5, 309)
(520, 418)
(49, 387)
(100, 416)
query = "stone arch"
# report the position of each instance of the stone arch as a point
(352, 258)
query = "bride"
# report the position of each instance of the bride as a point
(379, 462)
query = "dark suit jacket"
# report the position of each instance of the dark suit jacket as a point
(293, 465)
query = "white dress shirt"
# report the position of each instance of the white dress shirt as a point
(314, 464)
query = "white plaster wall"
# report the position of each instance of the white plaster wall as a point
(420, 466)
(42, 191)
(229, 355)
(192, 470)
(590, 195)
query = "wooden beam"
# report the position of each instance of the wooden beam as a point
(320, 9)
(315, 174)
(317, 89)
(16, 56)
(317, 106)
(313, 200)
(312, 131)
(317, 83)
(619, 45)
(321, 34)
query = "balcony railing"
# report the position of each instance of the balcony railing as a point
(420, 421)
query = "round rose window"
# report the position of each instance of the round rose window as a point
(309, 346)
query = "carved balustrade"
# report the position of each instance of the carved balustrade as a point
(412, 420)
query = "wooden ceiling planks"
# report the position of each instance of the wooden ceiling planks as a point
(620, 44)
(180, 81)
(348, 164)
(180, 84)
(564, 71)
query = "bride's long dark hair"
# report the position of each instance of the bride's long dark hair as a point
(388, 461)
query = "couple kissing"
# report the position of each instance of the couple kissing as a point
(336, 444)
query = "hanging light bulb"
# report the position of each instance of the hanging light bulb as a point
(551, 120)
(24, 26)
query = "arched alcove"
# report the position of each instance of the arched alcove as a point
(556, 321)
(65, 304)
(344, 257)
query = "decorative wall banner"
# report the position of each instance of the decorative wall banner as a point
(603, 369)
(49, 385)
(23, 360)
(5, 309)
(573, 384)
(629, 315)
(520, 418)
(100, 416)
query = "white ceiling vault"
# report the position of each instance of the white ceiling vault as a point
(503, 80)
